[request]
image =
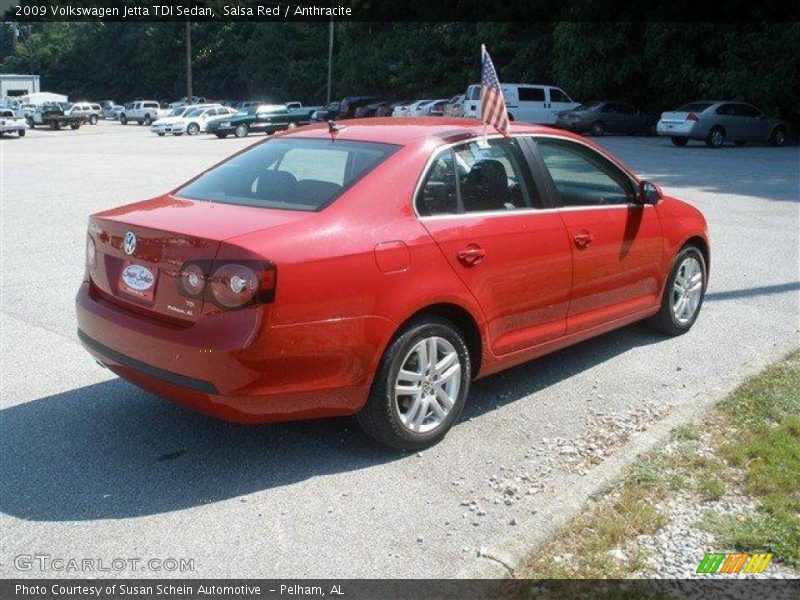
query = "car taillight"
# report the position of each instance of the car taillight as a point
(91, 253)
(692, 117)
(192, 280)
(229, 284)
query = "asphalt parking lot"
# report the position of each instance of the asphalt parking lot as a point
(92, 467)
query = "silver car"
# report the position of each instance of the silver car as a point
(718, 122)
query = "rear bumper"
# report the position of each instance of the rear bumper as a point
(223, 366)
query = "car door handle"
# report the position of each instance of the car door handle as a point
(583, 239)
(471, 256)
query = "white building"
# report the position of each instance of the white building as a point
(13, 85)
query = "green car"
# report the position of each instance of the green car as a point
(268, 118)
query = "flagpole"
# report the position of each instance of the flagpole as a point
(483, 60)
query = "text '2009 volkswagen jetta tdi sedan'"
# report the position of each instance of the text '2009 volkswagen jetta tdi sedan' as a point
(377, 267)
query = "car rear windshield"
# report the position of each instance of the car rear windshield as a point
(694, 107)
(292, 174)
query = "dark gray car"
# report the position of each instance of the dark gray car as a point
(601, 117)
(716, 123)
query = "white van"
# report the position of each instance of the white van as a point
(524, 102)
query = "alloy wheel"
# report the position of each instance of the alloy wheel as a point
(427, 385)
(687, 290)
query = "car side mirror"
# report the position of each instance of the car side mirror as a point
(649, 193)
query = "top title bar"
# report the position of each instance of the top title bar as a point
(393, 10)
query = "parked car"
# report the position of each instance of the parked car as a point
(436, 108)
(331, 111)
(112, 111)
(718, 122)
(288, 292)
(196, 120)
(268, 118)
(410, 109)
(349, 104)
(601, 117)
(388, 110)
(169, 123)
(11, 123)
(370, 110)
(143, 112)
(23, 111)
(54, 116)
(187, 101)
(455, 108)
(531, 103)
(91, 112)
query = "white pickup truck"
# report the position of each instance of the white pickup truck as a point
(10, 123)
(142, 111)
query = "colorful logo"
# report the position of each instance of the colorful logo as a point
(721, 562)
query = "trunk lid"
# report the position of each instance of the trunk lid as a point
(674, 117)
(141, 247)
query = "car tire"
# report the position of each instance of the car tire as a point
(93, 119)
(21, 132)
(161, 135)
(123, 120)
(778, 137)
(221, 136)
(411, 421)
(241, 130)
(193, 129)
(75, 126)
(672, 318)
(147, 120)
(679, 141)
(598, 129)
(740, 143)
(716, 137)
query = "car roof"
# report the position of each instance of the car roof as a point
(404, 131)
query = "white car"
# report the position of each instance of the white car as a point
(196, 120)
(89, 111)
(10, 123)
(24, 111)
(530, 103)
(167, 124)
(410, 110)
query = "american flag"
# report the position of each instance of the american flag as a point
(493, 105)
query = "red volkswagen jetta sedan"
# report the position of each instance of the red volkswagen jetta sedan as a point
(378, 267)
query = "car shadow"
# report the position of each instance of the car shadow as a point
(110, 450)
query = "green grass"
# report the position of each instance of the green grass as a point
(763, 438)
(750, 442)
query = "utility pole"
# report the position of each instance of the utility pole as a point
(189, 58)
(330, 62)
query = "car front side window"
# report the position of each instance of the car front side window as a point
(582, 176)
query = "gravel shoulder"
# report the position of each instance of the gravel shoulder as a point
(728, 482)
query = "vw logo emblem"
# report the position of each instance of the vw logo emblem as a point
(129, 243)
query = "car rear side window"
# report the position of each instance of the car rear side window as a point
(292, 174)
(694, 107)
(474, 177)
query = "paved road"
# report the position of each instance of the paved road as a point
(91, 467)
